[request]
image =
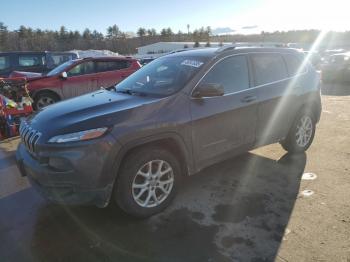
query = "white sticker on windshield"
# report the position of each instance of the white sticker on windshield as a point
(192, 63)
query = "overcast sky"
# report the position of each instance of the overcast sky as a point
(258, 15)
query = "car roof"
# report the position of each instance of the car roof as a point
(212, 52)
(99, 58)
(342, 54)
(35, 52)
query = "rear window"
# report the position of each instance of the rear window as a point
(4, 62)
(268, 68)
(294, 64)
(54, 60)
(231, 73)
(104, 66)
(31, 60)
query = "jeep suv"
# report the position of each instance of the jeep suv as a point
(173, 117)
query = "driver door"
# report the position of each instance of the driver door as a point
(224, 125)
(81, 79)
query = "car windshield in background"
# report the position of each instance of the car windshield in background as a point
(162, 77)
(60, 68)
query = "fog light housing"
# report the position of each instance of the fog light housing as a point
(59, 164)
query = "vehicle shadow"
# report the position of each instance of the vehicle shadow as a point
(335, 89)
(233, 211)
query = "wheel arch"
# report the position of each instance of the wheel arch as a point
(314, 106)
(169, 141)
(34, 94)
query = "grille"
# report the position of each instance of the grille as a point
(29, 136)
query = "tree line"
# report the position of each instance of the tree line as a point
(116, 40)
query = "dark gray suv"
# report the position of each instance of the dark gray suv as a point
(175, 116)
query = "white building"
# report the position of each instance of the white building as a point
(162, 48)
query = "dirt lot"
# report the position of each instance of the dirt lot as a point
(251, 208)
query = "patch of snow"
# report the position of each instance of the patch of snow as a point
(309, 176)
(94, 53)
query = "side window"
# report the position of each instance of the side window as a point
(231, 73)
(294, 64)
(82, 69)
(4, 62)
(104, 66)
(268, 68)
(31, 60)
(54, 60)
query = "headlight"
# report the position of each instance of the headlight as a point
(79, 136)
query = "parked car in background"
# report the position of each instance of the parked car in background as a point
(77, 77)
(39, 62)
(145, 61)
(337, 68)
(314, 58)
(174, 117)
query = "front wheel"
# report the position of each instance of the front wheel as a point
(301, 133)
(147, 182)
(44, 99)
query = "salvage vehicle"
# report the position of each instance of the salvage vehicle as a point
(337, 68)
(172, 118)
(38, 62)
(77, 77)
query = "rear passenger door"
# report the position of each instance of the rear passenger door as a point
(276, 95)
(112, 72)
(225, 124)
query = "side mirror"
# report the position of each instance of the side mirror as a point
(208, 90)
(64, 75)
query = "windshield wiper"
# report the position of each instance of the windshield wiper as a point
(130, 92)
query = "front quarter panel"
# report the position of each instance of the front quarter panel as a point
(166, 118)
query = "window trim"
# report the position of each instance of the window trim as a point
(250, 74)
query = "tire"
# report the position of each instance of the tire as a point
(44, 99)
(293, 143)
(133, 174)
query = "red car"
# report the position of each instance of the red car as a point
(77, 77)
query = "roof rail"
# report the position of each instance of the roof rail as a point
(226, 48)
(178, 50)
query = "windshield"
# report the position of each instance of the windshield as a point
(60, 68)
(163, 76)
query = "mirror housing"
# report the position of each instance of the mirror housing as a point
(208, 90)
(64, 75)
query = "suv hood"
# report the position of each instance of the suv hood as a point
(28, 75)
(98, 109)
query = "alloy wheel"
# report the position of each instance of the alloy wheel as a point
(304, 131)
(153, 183)
(44, 101)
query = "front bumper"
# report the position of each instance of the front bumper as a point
(87, 178)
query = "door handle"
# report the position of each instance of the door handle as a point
(248, 99)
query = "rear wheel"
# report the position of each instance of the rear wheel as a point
(147, 182)
(301, 133)
(44, 99)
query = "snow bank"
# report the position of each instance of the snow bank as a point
(94, 53)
